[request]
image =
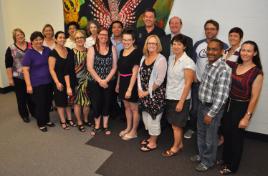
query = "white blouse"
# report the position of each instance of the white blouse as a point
(175, 76)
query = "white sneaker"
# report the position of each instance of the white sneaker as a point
(188, 134)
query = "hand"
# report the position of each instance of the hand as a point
(69, 91)
(207, 119)
(143, 94)
(11, 82)
(29, 89)
(244, 122)
(59, 86)
(117, 88)
(128, 94)
(179, 106)
(103, 83)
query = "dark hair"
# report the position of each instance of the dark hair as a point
(150, 10)
(219, 42)
(256, 59)
(88, 26)
(48, 26)
(213, 22)
(58, 33)
(35, 35)
(237, 30)
(97, 44)
(73, 23)
(118, 22)
(179, 38)
(129, 31)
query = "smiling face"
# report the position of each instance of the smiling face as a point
(214, 51)
(211, 31)
(177, 48)
(93, 29)
(71, 30)
(247, 52)
(19, 37)
(79, 39)
(127, 41)
(234, 39)
(48, 32)
(149, 19)
(60, 40)
(117, 29)
(37, 42)
(175, 25)
(103, 36)
(152, 45)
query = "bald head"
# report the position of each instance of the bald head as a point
(175, 25)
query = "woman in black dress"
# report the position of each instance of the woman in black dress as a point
(59, 66)
(128, 66)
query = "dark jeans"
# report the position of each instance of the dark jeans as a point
(24, 101)
(207, 135)
(194, 106)
(42, 97)
(233, 136)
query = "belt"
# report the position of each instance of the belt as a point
(125, 75)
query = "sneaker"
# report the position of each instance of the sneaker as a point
(195, 158)
(201, 167)
(188, 134)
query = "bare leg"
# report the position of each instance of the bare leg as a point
(128, 117)
(85, 113)
(62, 117)
(177, 145)
(135, 119)
(106, 125)
(77, 113)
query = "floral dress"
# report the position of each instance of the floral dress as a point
(154, 105)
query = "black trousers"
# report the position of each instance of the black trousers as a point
(233, 136)
(101, 99)
(42, 97)
(24, 101)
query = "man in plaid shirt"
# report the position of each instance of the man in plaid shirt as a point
(213, 93)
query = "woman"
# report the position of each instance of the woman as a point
(13, 61)
(180, 75)
(235, 37)
(151, 90)
(102, 65)
(92, 29)
(128, 66)
(81, 98)
(247, 79)
(59, 59)
(48, 33)
(38, 80)
(72, 27)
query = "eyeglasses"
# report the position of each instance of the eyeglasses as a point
(103, 34)
(152, 44)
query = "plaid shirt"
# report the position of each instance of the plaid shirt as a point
(215, 85)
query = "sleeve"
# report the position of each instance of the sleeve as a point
(231, 64)
(27, 59)
(222, 92)
(8, 58)
(52, 53)
(162, 70)
(190, 64)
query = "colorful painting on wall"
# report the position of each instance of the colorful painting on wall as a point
(106, 11)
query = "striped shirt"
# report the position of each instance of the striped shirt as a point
(215, 85)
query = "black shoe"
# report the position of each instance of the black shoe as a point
(43, 129)
(26, 119)
(50, 124)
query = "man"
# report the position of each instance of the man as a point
(149, 28)
(211, 28)
(213, 93)
(175, 25)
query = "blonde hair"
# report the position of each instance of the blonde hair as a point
(81, 32)
(48, 26)
(159, 46)
(14, 33)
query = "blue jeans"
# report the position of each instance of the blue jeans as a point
(207, 135)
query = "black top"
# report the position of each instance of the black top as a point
(64, 66)
(166, 45)
(126, 63)
(142, 34)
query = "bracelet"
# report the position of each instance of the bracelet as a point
(249, 114)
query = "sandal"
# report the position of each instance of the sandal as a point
(123, 133)
(107, 131)
(146, 148)
(64, 126)
(71, 123)
(144, 142)
(95, 131)
(87, 123)
(169, 153)
(225, 171)
(81, 128)
(50, 124)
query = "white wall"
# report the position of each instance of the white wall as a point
(29, 15)
(250, 15)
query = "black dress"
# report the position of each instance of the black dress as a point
(63, 66)
(125, 66)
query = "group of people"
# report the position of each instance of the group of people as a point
(214, 87)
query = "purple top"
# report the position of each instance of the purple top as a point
(38, 63)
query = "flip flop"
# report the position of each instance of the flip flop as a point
(144, 142)
(169, 153)
(146, 148)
